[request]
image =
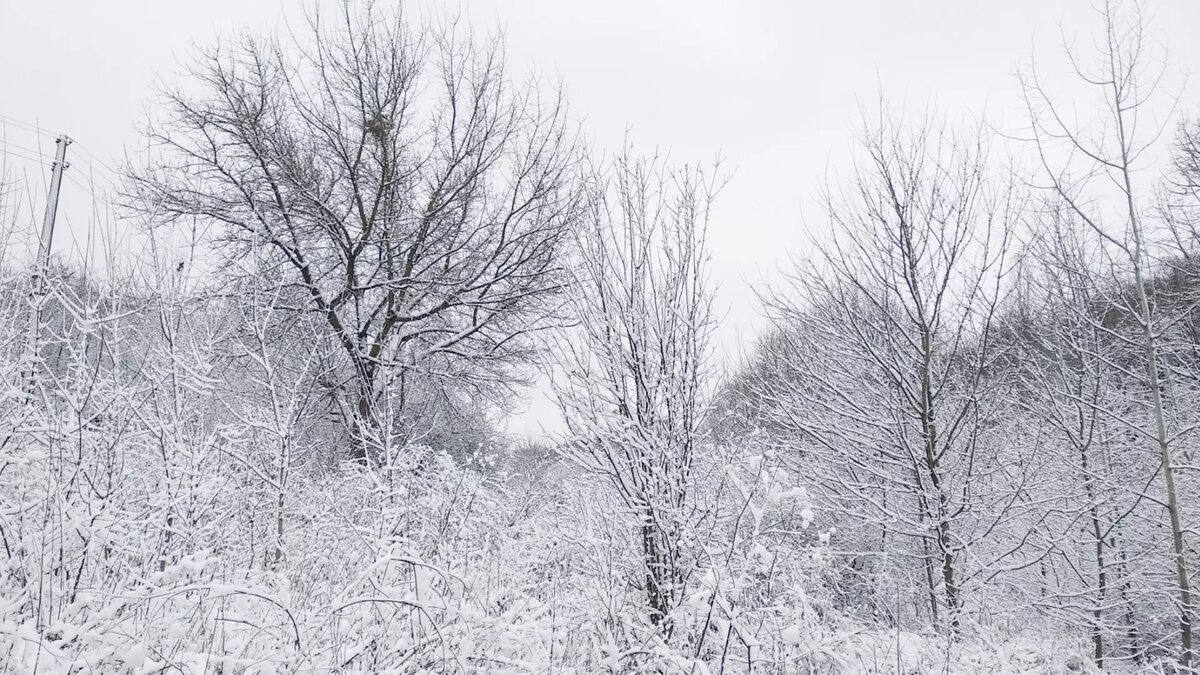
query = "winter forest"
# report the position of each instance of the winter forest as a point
(259, 430)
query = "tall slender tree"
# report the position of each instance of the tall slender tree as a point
(1093, 171)
(633, 390)
(887, 337)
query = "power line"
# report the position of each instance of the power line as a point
(4, 144)
(113, 174)
(101, 177)
(37, 129)
(81, 185)
(89, 184)
(90, 154)
(107, 172)
(39, 160)
(95, 181)
(9, 133)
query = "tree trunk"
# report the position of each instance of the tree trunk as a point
(365, 427)
(927, 560)
(655, 585)
(1101, 570)
(953, 601)
(1160, 424)
(930, 442)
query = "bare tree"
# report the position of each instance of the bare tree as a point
(1071, 370)
(1181, 202)
(1093, 172)
(272, 409)
(399, 185)
(633, 387)
(887, 339)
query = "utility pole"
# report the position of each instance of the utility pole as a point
(42, 266)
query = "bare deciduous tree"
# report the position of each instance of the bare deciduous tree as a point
(399, 184)
(1069, 378)
(887, 338)
(633, 387)
(1092, 170)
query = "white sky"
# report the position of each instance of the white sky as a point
(772, 86)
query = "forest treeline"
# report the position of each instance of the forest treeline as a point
(268, 440)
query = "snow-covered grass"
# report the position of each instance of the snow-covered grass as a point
(437, 569)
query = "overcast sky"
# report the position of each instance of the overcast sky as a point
(772, 86)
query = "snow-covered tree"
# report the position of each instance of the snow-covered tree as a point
(635, 365)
